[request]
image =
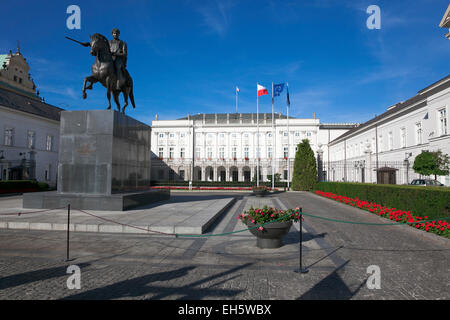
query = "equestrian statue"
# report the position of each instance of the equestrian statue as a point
(109, 68)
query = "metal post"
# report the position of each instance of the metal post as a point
(301, 269)
(68, 230)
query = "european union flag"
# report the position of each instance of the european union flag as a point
(277, 89)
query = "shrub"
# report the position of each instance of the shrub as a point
(304, 176)
(433, 202)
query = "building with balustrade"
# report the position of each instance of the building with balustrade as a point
(228, 147)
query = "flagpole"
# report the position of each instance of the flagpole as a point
(273, 144)
(257, 136)
(236, 100)
(289, 142)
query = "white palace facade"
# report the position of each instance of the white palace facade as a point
(225, 147)
(29, 127)
(389, 143)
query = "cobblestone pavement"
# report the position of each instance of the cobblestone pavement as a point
(126, 266)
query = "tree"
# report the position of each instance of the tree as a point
(432, 163)
(304, 176)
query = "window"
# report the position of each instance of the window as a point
(182, 174)
(9, 135)
(297, 133)
(221, 152)
(391, 141)
(49, 144)
(197, 153)
(182, 153)
(443, 121)
(161, 153)
(31, 143)
(171, 135)
(258, 152)
(222, 135)
(418, 133)
(233, 153)
(171, 153)
(245, 135)
(380, 143)
(269, 152)
(209, 151)
(285, 174)
(308, 134)
(182, 135)
(285, 133)
(285, 152)
(161, 135)
(269, 134)
(246, 152)
(403, 137)
(47, 173)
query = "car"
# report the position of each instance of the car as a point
(426, 183)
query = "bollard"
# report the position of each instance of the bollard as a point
(68, 230)
(301, 269)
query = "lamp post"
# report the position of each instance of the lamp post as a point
(406, 163)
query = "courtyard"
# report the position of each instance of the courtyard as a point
(224, 263)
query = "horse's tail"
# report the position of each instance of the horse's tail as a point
(132, 95)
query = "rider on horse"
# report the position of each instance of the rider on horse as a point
(119, 53)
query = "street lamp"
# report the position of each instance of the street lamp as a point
(445, 22)
(406, 162)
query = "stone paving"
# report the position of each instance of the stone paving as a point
(138, 266)
(180, 214)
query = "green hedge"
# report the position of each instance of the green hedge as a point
(180, 183)
(13, 186)
(433, 202)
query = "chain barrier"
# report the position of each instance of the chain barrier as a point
(29, 212)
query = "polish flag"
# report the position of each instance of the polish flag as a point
(261, 90)
(238, 90)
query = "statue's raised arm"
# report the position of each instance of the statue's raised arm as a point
(85, 44)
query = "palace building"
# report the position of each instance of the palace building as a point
(225, 147)
(384, 148)
(29, 127)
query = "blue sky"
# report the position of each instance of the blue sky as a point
(187, 56)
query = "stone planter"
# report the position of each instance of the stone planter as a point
(271, 237)
(259, 192)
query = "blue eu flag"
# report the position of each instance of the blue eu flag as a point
(277, 89)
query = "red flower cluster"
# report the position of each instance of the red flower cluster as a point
(440, 227)
(269, 215)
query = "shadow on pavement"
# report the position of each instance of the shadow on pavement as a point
(140, 287)
(331, 288)
(33, 276)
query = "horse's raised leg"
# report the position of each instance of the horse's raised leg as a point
(90, 79)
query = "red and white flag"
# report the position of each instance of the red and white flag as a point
(261, 90)
(238, 90)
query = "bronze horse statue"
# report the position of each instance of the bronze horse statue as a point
(103, 71)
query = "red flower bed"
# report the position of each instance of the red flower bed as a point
(439, 227)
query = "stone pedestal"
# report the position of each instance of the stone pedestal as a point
(104, 162)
